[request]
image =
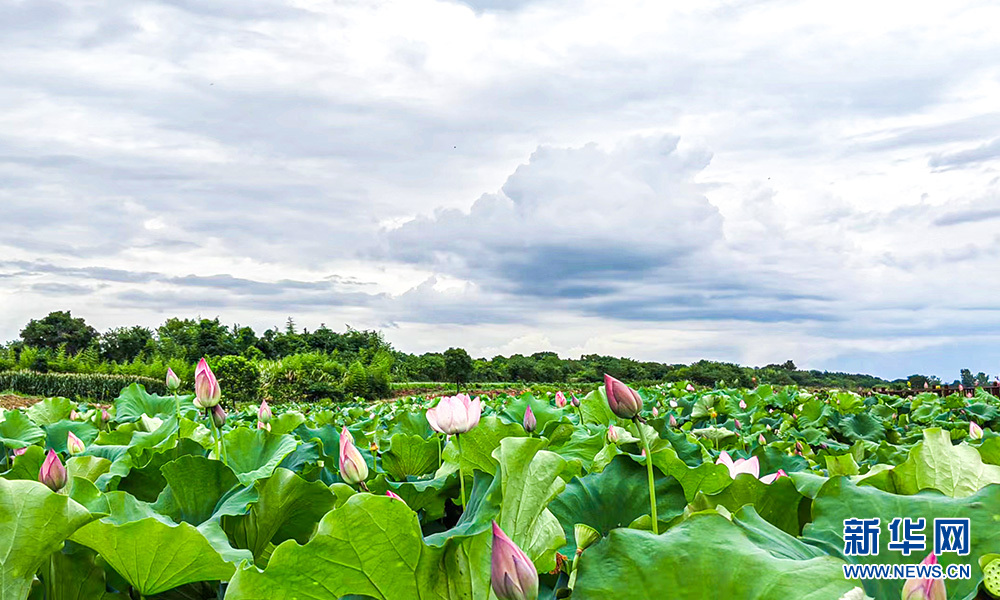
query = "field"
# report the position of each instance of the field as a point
(750, 488)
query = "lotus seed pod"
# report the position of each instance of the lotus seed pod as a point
(586, 535)
(991, 578)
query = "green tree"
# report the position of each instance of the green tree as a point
(457, 366)
(124, 344)
(239, 379)
(57, 329)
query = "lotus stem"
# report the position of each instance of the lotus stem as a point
(649, 474)
(461, 471)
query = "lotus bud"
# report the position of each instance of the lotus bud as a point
(218, 415)
(264, 412)
(74, 445)
(737, 423)
(52, 473)
(353, 468)
(961, 387)
(673, 404)
(560, 400)
(20, 451)
(105, 417)
(207, 392)
(585, 536)
(623, 400)
(798, 446)
(74, 416)
(975, 431)
(264, 426)
(394, 496)
(925, 589)
(656, 412)
(512, 574)
(761, 440)
(173, 381)
(743, 404)
(689, 388)
(673, 421)
(575, 401)
(455, 414)
(529, 420)
(612, 434)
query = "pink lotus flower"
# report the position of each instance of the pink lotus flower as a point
(768, 479)
(206, 387)
(264, 413)
(394, 496)
(925, 589)
(529, 420)
(975, 431)
(740, 465)
(656, 413)
(173, 381)
(512, 574)
(74, 416)
(743, 404)
(623, 400)
(560, 400)
(104, 415)
(74, 445)
(20, 451)
(52, 473)
(455, 414)
(761, 440)
(689, 388)
(353, 468)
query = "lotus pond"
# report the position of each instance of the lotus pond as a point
(170, 497)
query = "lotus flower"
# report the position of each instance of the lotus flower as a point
(673, 421)
(656, 413)
(736, 422)
(206, 387)
(455, 414)
(74, 445)
(768, 479)
(218, 416)
(575, 401)
(612, 434)
(925, 589)
(673, 404)
(560, 400)
(623, 400)
(975, 431)
(689, 388)
(264, 413)
(105, 417)
(743, 404)
(353, 468)
(52, 473)
(20, 451)
(394, 496)
(761, 440)
(529, 420)
(74, 416)
(512, 574)
(173, 381)
(740, 465)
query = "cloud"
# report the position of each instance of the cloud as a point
(968, 157)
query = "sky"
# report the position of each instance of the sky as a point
(749, 181)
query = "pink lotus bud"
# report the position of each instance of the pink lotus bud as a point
(689, 388)
(20, 451)
(623, 400)
(761, 440)
(264, 412)
(512, 574)
(737, 423)
(743, 404)
(394, 496)
(656, 413)
(925, 588)
(104, 415)
(218, 416)
(961, 387)
(560, 400)
(575, 401)
(968, 394)
(673, 421)
(173, 381)
(798, 446)
(529, 421)
(52, 473)
(74, 416)
(74, 445)
(206, 387)
(769, 479)
(673, 404)
(925, 385)
(455, 414)
(975, 431)
(612, 434)
(643, 453)
(353, 468)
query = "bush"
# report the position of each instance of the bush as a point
(239, 379)
(103, 388)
